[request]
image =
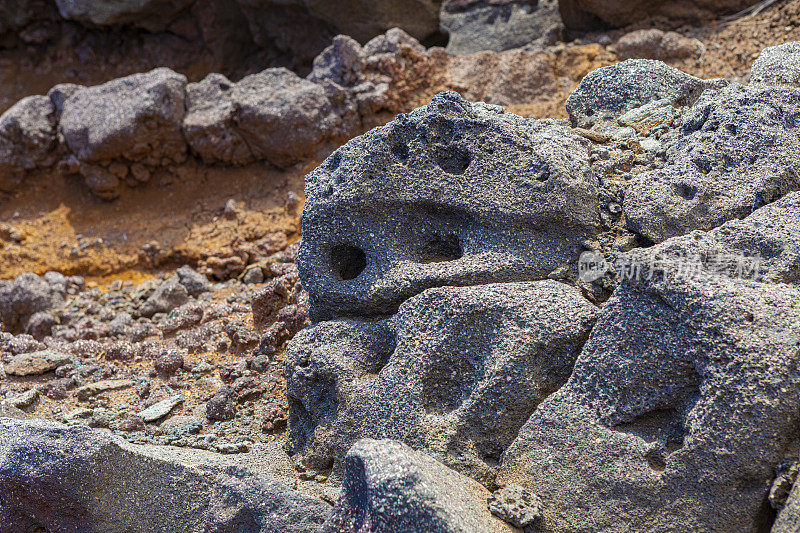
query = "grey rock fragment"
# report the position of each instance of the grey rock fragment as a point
(777, 65)
(194, 282)
(680, 406)
(474, 25)
(135, 118)
(734, 152)
(36, 363)
(388, 487)
(272, 115)
(76, 479)
(169, 295)
(426, 201)
(456, 372)
(608, 92)
(27, 139)
(160, 409)
(516, 505)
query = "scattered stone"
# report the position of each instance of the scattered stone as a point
(160, 409)
(36, 363)
(515, 505)
(99, 387)
(26, 399)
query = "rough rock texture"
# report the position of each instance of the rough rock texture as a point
(584, 14)
(75, 479)
(516, 505)
(608, 92)
(736, 150)
(389, 487)
(656, 44)
(27, 295)
(478, 25)
(778, 65)
(788, 520)
(770, 237)
(136, 118)
(272, 115)
(153, 15)
(679, 408)
(27, 138)
(457, 371)
(425, 201)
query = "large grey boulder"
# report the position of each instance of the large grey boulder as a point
(27, 139)
(457, 371)
(273, 115)
(428, 200)
(389, 488)
(153, 15)
(680, 406)
(777, 65)
(75, 479)
(22, 298)
(737, 149)
(608, 92)
(135, 118)
(476, 25)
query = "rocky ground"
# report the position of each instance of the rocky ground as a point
(150, 267)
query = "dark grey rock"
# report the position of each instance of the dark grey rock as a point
(169, 295)
(777, 65)
(76, 479)
(679, 408)
(427, 200)
(273, 115)
(388, 487)
(478, 25)
(608, 92)
(27, 295)
(194, 282)
(516, 505)
(135, 118)
(457, 372)
(342, 62)
(734, 153)
(27, 139)
(152, 15)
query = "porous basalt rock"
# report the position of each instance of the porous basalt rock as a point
(777, 65)
(424, 201)
(456, 371)
(734, 152)
(680, 406)
(27, 139)
(390, 487)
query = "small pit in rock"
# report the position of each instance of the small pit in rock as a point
(347, 261)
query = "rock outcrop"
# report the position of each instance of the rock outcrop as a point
(456, 371)
(423, 201)
(58, 478)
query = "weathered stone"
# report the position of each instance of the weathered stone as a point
(608, 92)
(389, 487)
(788, 520)
(656, 44)
(426, 201)
(99, 387)
(477, 25)
(36, 363)
(167, 296)
(76, 479)
(194, 282)
(27, 295)
(737, 149)
(160, 409)
(153, 15)
(680, 406)
(272, 115)
(516, 505)
(27, 139)
(457, 372)
(777, 65)
(137, 118)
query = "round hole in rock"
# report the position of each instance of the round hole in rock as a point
(687, 192)
(441, 248)
(400, 151)
(453, 160)
(347, 261)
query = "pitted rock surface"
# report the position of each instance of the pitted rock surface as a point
(428, 200)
